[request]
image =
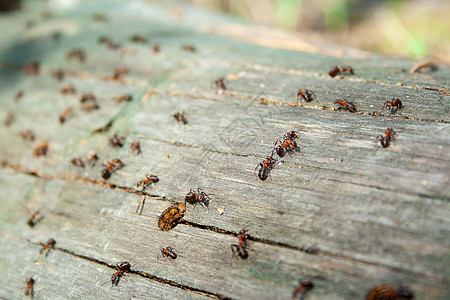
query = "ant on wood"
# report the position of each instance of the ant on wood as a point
(387, 138)
(287, 145)
(302, 289)
(336, 70)
(29, 289)
(240, 249)
(180, 118)
(27, 135)
(111, 167)
(48, 246)
(199, 197)
(121, 267)
(390, 104)
(66, 113)
(345, 105)
(147, 181)
(136, 148)
(168, 252)
(266, 166)
(387, 292)
(306, 95)
(76, 54)
(34, 219)
(123, 98)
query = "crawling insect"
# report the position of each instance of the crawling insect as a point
(239, 251)
(390, 104)
(168, 252)
(41, 150)
(265, 167)
(220, 83)
(66, 113)
(48, 246)
(32, 68)
(78, 54)
(149, 180)
(59, 75)
(156, 48)
(111, 167)
(386, 292)
(33, 219)
(306, 95)
(121, 267)
(188, 48)
(286, 146)
(27, 135)
(78, 162)
(119, 72)
(345, 105)
(29, 289)
(302, 289)
(68, 89)
(18, 96)
(336, 70)
(180, 118)
(138, 39)
(387, 138)
(9, 118)
(123, 98)
(136, 148)
(87, 98)
(199, 197)
(117, 141)
(170, 218)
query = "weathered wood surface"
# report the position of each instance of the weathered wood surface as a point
(344, 212)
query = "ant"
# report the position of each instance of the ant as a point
(78, 162)
(188, 48)
(59, 75)
(119, 72)
(239, 250)
(156, 48)
(336, 70)
(29, 289)
(77, 54)
(9, 119)
(136, 148)
(168, 252)
(265, 167)
(33, 219)
(341, 104)
(180, 118)
(390, 104)
(220, 83)
(149, 179)
(138, 39)
(27, 135)
(68, 89)
(47, 247)
(117, 141)
(41, 150)
(104, 40)
(32, 68)
(387, 138)
(111, 167)
(287, 145)
(306, 95)
(90, 106)
(243, 236)
(121, 267)
(170, 218)
(197, 197)
(87, 97)
(100, 18)
(123, 98)
(92, 160)
(302, 289)
(66, 113)
(18, 96)
(386, 292)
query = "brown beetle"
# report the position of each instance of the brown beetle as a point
(170, 218)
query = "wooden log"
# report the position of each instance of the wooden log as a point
(343, 212)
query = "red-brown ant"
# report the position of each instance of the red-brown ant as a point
(29, 289)
(243, 236)
(188, 48)
(149, 180)
(77, 54)
(48, 246)
(306, 95)
(170, 218)
(345, 105)
(119, 72)
(68, 89)
(121, 267)
(117, 141)
(18, 96)
(111, 167)
(100, 17)
(138, 39)
(136, 148)
(33, 219)
(92, 160)
(87, 98)
(123, 98)
(32, 68)
(9, 119)
(386, 292)
(220, 83)
(66, 113)
(336, 70)
(239, 250)
(41, 150)
(78, 162)
(90, 106)
(199, 197)
(265, 167)
(59, 75)
(168, 252)
(156, 48)
(302, 289)
(180, 118)
(287, 145)
(27, 135)
(390, 104)
(387, 138)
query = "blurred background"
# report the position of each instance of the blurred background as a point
(417, 28)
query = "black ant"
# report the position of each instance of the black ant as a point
(111, 167)
(149, 179)
(168, 252)
(240, 251)
(119, 72)
(306, 95)
(121, 267)
(341, 104)
(197, 197)
(336, 70)
(66, 113)
(68, 89)
(48, 246)
(138, 39)
(265, 167)
(27, 135)
(390, 104)
(387, 138)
